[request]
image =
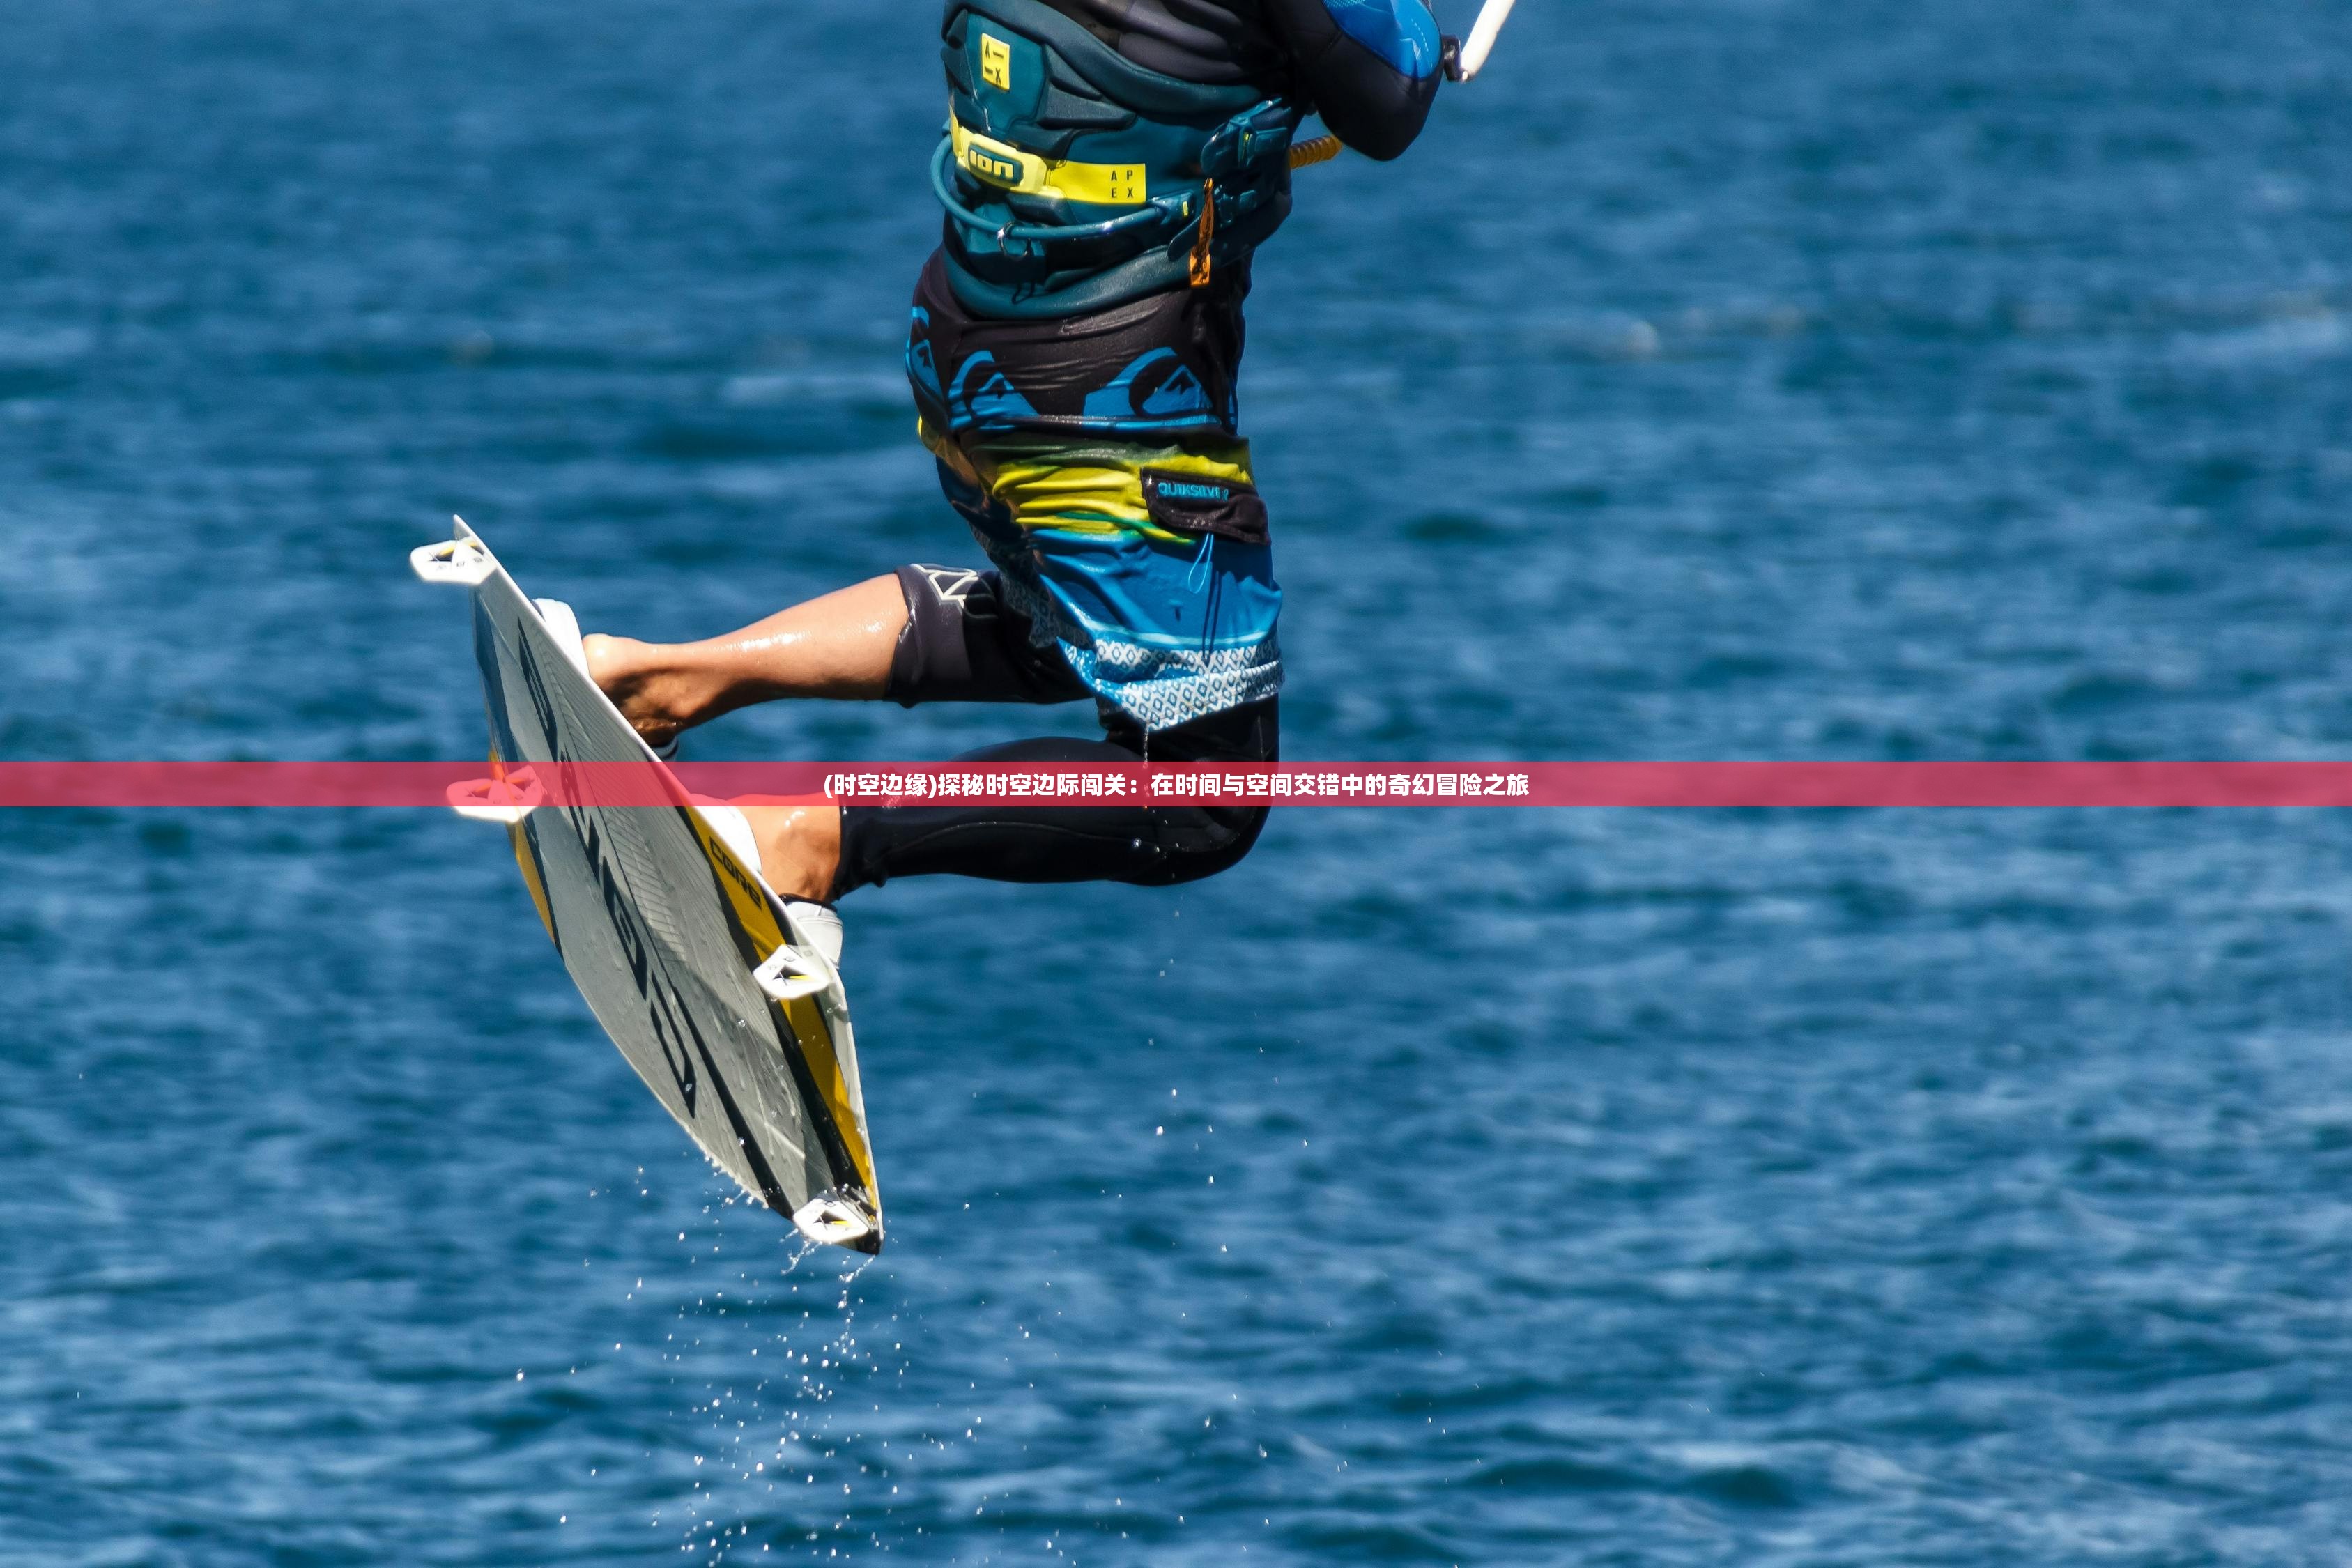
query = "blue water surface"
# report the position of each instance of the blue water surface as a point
(1719, 378)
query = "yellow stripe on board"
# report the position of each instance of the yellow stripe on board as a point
(533, 879)
(805, 1018)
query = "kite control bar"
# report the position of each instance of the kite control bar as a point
(1462, 59)
(1465, 58)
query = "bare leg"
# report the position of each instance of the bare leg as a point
(838, 645)
(800, 847)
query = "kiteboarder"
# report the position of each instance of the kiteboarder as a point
(1109, 170)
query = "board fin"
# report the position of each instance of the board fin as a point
(840, 1218)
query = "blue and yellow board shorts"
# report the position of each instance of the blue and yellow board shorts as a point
(1147, 564)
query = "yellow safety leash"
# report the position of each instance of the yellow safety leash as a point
(1322, 150)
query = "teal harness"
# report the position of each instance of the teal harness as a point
(1075, 180)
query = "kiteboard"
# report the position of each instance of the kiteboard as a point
(722, 996)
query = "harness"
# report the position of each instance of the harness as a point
(1075, 180)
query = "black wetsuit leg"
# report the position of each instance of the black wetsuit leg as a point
(963, 643)
(1149, 845)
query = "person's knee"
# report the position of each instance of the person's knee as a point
(1230, 843)
(1199, 842)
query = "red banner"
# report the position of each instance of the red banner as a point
(1456, 784)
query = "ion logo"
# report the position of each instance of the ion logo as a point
(988, 166)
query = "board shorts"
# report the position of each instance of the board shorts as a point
(1096, 460)
(1149, 566)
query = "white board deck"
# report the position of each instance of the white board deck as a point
(662, 926)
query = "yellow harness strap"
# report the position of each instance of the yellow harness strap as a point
(1008, 168)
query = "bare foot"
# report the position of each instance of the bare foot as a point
(656, 700)
(800, 847)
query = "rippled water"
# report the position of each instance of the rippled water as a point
(1718, 380)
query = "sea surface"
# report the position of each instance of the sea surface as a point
(1717, 379)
